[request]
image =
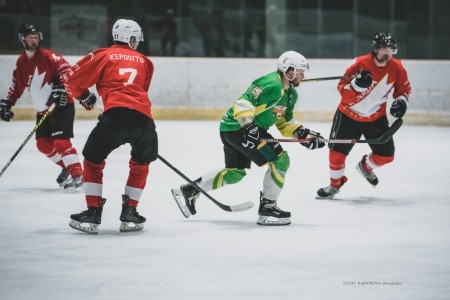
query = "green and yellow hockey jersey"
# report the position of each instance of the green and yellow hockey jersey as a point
(268, 102)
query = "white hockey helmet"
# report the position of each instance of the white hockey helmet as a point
(292, 59)
(127, 31)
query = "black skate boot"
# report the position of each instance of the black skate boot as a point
(92, 216)
(74, 184)
(185, 198)
(130, 216)
(271, 214)
(370, 176)
(330, 191)
(190, 195)
(63, 177)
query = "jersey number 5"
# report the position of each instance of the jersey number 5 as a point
(133, 73)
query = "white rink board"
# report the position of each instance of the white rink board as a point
(217, 82)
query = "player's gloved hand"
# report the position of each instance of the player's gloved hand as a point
(362, 80)
(251, 135)
(88, 100)
(5, 110)
(59, 95)
(398, 108)
(317, 141)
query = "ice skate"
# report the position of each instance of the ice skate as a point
(75, 184)
(185, 198)
(92, 217)
(131, 220)
(330, 191)
(63, 177)
(270, 214)
(370, 176)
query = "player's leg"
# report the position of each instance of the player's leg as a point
(144, 150)
(104, 138)
(44, 143)
(278, 162)
(342, 128)
(269, 212)
(234, 171)
(61, 122)
(381, 153)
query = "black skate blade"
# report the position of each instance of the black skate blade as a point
(78, 188)
(179, 199)
(126, 227)
(273, 221)
(325, 198)
(66, 181)
(358, 168)
(92, 229)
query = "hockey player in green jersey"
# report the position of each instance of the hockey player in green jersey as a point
(270, 100)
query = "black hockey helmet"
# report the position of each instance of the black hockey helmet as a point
(26, 29)
(381, 39)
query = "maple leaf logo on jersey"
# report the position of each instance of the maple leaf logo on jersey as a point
(56, 57)
(367, 103)
(39, 90)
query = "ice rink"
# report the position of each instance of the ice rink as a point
(389, 242)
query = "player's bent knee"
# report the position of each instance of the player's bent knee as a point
(94, 154)
(381, 160)
(283, 162)
(62, 145)
(233, 176)
(44, 145)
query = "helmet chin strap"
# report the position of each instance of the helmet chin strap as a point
(290, 80)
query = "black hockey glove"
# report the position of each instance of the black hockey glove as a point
(88, 100)
(5, 110)
(363, 79)
(59, 95)
(398, 108)
(317, 141)
(251, 135)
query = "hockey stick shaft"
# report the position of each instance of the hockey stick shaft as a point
(44, 116)
(233, 208)
(328, 78)
(381, 140)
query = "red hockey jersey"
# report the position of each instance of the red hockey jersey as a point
(371, 104)
(37, 74)
(121, 75)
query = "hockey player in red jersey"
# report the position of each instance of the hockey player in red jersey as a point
(40, 71)
(122, 77)
(362, 111)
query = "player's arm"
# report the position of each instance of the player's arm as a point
(83, 74)
(287, 124)
(14, 93)
(59, 94)
(349, 88)
(402, 90)
(244, 110)
(148, 78)
(17, 87)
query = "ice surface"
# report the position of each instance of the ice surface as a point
(389, 242)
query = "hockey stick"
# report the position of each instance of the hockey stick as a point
(44, 116)
(328, 78)
(381, 140)
(232, 208)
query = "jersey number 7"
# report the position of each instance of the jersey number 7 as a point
(133, 73)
